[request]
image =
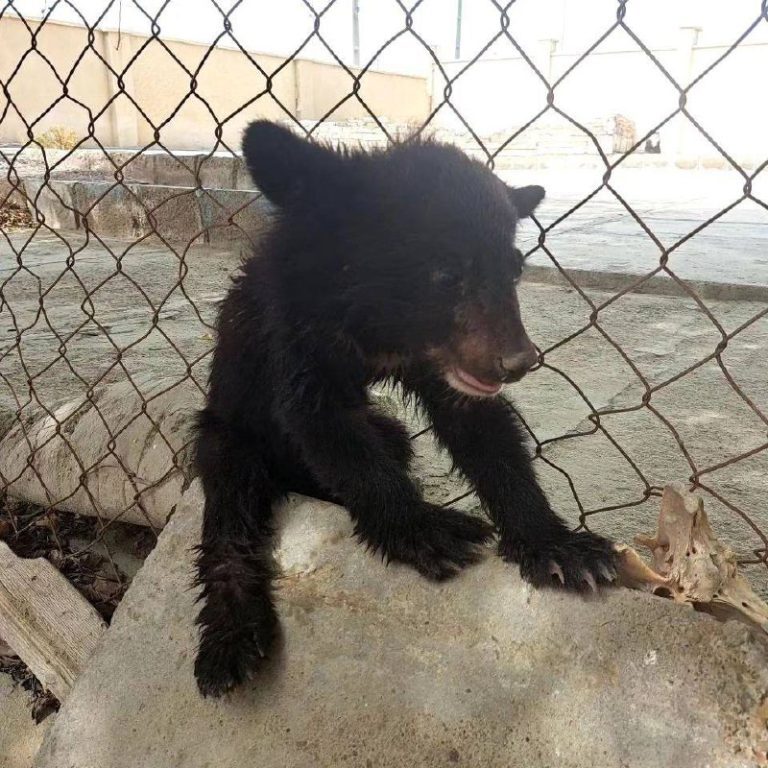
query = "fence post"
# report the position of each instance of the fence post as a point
(298, 105)
(432, 83)
(688, 37)
(123, 116)
(546, 52)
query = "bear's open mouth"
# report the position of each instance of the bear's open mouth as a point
(465, 382)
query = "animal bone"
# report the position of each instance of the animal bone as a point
(689, 564)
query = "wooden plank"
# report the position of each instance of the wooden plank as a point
(46, 621)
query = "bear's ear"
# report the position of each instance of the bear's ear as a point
(525, 199)
(281, 164)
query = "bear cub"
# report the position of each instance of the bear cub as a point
(399, 265)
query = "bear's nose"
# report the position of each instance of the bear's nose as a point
(514, 366)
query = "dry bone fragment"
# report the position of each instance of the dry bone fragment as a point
(689, 564)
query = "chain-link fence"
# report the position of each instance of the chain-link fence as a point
(119, 234)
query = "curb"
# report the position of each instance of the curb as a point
(179, 169)
(614, 282)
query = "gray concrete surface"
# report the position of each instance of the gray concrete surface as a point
(602, 236)
(377, 667)
(20, 737)
(95, 310)
(661, 335)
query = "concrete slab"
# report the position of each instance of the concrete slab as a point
(601, 235)
(378, 667)
(173, 213)
(234, 216)
(52, 203)
(217, 171)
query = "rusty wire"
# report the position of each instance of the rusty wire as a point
(25, 400)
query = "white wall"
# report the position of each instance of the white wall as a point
(729, 102)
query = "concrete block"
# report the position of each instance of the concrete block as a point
(110, 209)
(687, 163)
(78, 161)
(174, 170)
(149, 167)
(124, 210)
(243, 178)
(234, 215)
(378, 667)
(152, 167)
(12, 192)
(134, 210)
(151, 446)
(172, 212)
(715, 162)
(134, 168)
(53, 203)
(217, 171)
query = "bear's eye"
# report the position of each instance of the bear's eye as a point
(517, 265)
(518, 262)
(445, 278)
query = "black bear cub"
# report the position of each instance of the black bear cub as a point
(397, 264)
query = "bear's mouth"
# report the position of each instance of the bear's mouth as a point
(464, 382)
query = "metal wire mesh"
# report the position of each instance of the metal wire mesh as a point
(31, 380)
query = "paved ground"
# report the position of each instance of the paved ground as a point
(603, 236)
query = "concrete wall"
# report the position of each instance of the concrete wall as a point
(227, 81)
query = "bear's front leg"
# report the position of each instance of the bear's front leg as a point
(487, 444)
(342, 445)
(347, 455)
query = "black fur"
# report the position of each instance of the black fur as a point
(398, 265)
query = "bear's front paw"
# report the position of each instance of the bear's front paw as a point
(235, 640)
(438, 542)
(577, 561)
(445, 540)
(223, 663)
